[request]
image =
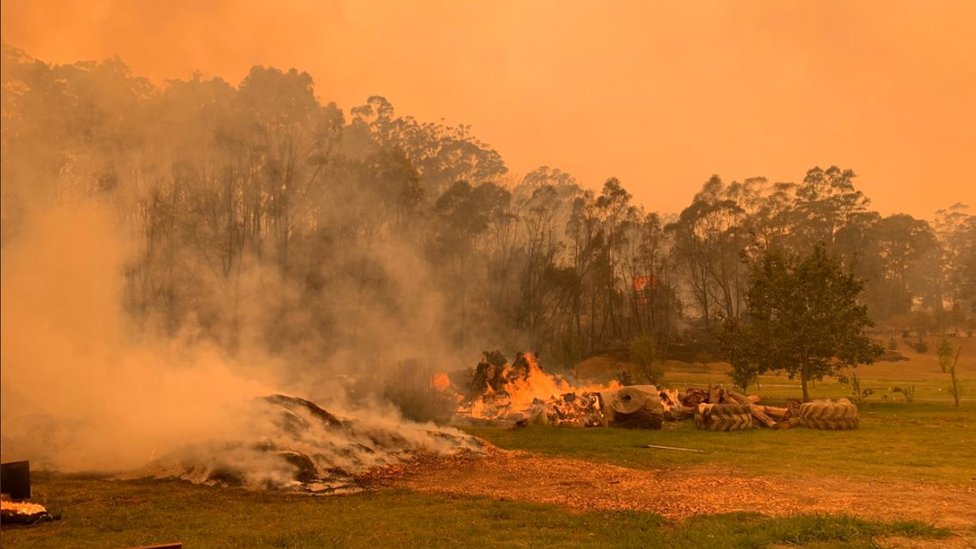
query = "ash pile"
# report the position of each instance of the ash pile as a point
(294, 444)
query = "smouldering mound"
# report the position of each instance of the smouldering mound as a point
(294, 444)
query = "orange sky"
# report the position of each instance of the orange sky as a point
(660, 94)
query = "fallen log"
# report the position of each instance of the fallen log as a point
(757, 411)
(693, 397)
(779, 414)
(715, 394)
(674, 409)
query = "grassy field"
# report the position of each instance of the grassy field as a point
(928, 441)
(104, 513)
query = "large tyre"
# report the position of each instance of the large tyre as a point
(630, 400)
(634, 407)
(723, 417)
(828, 415)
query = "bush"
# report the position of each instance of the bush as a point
(908, 392)
(945, 355)
(920, 346)
(643, 353)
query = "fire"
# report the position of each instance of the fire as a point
(440, 381)
(522, 390)
(13, 512)
(535, 385)
(22, 508)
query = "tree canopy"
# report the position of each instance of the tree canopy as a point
(802, 317)
(260, 213)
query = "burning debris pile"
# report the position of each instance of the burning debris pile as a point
(297, 445)
(521, 393)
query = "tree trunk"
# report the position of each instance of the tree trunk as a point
(803, 382)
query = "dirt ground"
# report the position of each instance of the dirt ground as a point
(677, 493)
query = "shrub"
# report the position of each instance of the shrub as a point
(643, 353)
(945, 355)
(920, 346)
(908, 392)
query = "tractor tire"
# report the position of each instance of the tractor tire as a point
(723, 417)
(634, 407)
(828, 415)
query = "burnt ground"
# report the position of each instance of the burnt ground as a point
(678, 493)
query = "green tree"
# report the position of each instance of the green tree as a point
(803, 318)
(736, 346)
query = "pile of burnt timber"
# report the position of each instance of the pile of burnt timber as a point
(520, 393)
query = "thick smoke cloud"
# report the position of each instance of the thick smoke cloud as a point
(81, 388)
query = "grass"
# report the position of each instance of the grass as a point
(104, 513)
(920, 441)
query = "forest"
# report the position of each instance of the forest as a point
(261, 216)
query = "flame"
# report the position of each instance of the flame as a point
(22, 508)
(527, 386)
(536, 385)
(440, 381)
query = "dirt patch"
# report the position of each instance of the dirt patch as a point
(678, 493)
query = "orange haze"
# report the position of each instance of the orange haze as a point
(660, 94)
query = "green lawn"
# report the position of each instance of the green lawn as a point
(103, 513)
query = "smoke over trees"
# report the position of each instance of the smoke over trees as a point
(263, 217)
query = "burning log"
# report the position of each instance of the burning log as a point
(634, 407)
(490, 376)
